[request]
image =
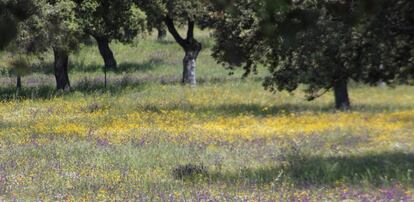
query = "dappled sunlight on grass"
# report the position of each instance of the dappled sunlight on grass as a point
(169, 140)
(148, 138)
(195, 117)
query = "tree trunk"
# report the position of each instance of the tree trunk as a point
(341, 96)
(189, 63)
(106, 52)
(19, 82)
(162, 33)
(191, 47)
(61, 69)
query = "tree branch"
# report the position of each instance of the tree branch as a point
(190, 31)
(171, 28)
(170, 8)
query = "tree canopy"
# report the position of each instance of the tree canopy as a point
(322, 44)
(11, 13)
(109, 20)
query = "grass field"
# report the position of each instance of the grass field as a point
(148, 138)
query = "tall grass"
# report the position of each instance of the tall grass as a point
(148, 138)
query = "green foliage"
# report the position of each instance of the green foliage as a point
(181, 11)
(114, 19)
(19, 65)
(52, 24)
(387, 45)
(63, 28)
(238, 41)
(11, 13)
(317, 43)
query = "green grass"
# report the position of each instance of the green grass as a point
(153, 164)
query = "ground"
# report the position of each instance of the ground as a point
(148, 138)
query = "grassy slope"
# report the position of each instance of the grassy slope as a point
(150, 138)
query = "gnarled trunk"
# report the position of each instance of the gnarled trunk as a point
(61, 69)
(191, 47)
(106, 52)
(341, 95)
(189, 63)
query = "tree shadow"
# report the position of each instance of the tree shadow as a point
(139, 67)
(40, 92)
(375, 169)
(165, 42)
(122, 68)
(43, 87)
(115, 86)
(201, 81)
(232, 110)
(222, 80)
(43, 68)
(151, 64)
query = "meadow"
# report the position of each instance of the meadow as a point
(148, 138)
